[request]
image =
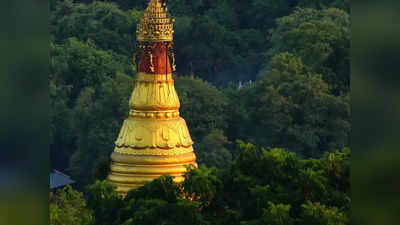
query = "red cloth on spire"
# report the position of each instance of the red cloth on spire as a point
(160, 60)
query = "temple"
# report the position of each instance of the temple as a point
(154, 140)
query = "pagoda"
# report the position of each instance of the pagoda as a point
(154, 140)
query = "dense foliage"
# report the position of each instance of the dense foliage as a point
(262, 186)
(272, 73)
(295, 53)
(291, 107)
(68, 207)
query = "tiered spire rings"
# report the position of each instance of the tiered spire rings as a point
(155, 25)
(154, 140)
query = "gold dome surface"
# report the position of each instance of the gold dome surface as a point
(154, 140)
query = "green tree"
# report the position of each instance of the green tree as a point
(104, 202)
(103, 22)
(78, 64)
(317, 214)
(89, 99)
(98, 116)
(214, 41)
(212, 150)
(202, 185)
(61, 127)
(290, 107)
(160, 203)
(68, 207)
(207, 46)
(263, 186)
(341, 4)
(267, 183)
(202, 106)
(241, 101)
(276, 214)
(322, 39)
(297, 111)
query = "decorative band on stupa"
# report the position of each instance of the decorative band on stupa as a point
(154, 139)
(155, 25)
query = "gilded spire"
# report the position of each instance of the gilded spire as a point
(154, 139)
(155, 26)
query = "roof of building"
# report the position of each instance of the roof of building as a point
(58, 179)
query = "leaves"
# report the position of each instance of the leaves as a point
(298, 108)
(68, 207)
(104, 202)
(279, 189)
(202, 106)
(317, 214)
(321, 38)
(89, 99)
(212, 150)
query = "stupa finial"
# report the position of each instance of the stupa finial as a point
(154, 140)
(155, 25)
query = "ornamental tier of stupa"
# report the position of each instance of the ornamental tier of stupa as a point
(154, 139)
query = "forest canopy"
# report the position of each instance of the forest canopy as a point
(261, 187)
(273, 74)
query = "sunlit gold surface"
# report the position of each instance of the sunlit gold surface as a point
(155, 25)
(154, 139)
(154, 92)
(132, 171)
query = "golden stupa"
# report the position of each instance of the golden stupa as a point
(154, 140)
